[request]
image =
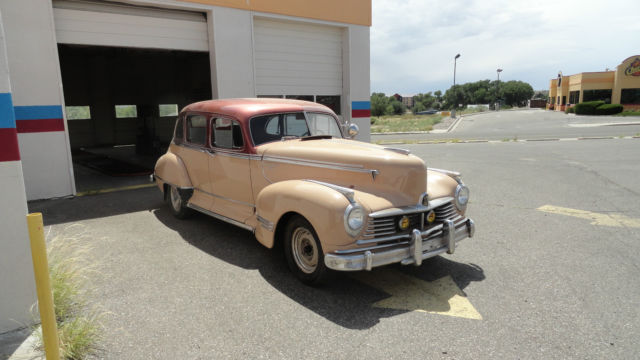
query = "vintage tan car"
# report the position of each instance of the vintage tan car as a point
(289, 172)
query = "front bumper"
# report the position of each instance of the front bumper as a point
(422, 245)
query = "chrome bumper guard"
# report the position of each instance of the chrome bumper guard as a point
(418, 249)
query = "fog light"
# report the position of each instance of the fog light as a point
(431, 216)
(404, 223)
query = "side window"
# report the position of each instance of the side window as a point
(179, 133)
(273, 125)
(226, 134)
(197, 129)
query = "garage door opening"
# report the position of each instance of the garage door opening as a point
(121, 107)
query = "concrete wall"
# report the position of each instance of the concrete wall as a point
(39, 101)
(37, 97)
(357, 87)
(17, 289)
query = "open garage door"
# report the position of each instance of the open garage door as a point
(113, 24)
(126, 72)
(296, 60)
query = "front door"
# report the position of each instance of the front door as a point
(229, 171)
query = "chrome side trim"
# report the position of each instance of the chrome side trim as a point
(405, 210)
(221, 217)
(398, 150)
(346, 192)
(231, 154)
(321, 164)
(199, 148)
(453, 174)
(265, 223)
(226, 198)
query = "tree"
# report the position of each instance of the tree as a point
(379, 103)
(516, 93)
(397, 107)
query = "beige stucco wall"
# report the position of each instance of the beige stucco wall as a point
(623, 80)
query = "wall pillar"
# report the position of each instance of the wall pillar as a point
(17, 287)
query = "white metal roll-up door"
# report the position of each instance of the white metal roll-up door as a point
(113, 24)
(297, 59)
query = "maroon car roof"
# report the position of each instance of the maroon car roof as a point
(246, 108)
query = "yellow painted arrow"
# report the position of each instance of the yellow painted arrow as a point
(615, 220)
(441, 297)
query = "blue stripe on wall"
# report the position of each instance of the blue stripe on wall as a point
(361, 105)
(38, 112)
(7, 116)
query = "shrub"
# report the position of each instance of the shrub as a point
(609, 109)
(79, 322)
(588, 107)
(570, 110)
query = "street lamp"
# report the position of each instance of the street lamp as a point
(498, 71)
(453, 112)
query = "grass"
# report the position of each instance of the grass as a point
(629, 113)
(403, 123)
(79, 322)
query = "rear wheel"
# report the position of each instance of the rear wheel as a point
(304, 252)
(178, 206)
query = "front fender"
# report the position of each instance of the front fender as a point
(322, 206)
(171, 170)
(440, 185)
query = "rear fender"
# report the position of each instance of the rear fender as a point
(170, 170)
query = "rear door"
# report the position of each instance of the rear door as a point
(229, 170)
(194, 154)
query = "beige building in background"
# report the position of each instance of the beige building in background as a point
(621, 86)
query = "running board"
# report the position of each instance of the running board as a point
(221, 217)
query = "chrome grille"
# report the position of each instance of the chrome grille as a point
(445, 212)
(388, 226)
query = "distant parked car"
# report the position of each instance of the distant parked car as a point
(427, 112)
(287, 171)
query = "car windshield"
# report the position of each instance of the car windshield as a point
(274, 127)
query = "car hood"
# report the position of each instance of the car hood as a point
(382, 177)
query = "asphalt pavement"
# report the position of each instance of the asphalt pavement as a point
(551, 272)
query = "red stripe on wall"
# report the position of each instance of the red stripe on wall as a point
(9, 150)
(360, 113)
(41, 125)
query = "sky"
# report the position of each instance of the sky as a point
(414, 42)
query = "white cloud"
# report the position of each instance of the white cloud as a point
(413, 42)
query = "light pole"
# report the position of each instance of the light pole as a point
(453, 112)
(498, 71)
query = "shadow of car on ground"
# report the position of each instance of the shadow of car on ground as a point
(343, 300)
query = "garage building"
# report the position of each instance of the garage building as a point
(83, 79)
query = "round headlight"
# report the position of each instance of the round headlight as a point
(353, 219)
(462, 196)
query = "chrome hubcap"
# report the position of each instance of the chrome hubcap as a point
(305, 250)
(176, 202)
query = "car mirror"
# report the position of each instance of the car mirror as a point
(353, 130)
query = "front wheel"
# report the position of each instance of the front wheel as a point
(304, 252)
(178, 206)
